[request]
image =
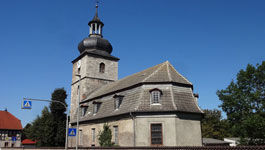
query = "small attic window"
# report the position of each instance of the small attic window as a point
(117, 101)
(78, 70)
(84, 109)
(101, 67)
(96, 107)
(155, 95)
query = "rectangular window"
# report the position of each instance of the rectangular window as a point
(155, 97)
(93, 134)
(78, 70)
(96, 107)
(116, 135)
(117, 102)
(156, 134)
(84, 110)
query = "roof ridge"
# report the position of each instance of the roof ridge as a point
(162, 64)
(180, 74)
(168, 73)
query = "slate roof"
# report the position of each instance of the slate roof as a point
(163, 72)
(175, 97)
(9, 122)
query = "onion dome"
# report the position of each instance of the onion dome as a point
(95, 41)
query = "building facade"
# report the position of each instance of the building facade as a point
(154, 107)
(10, 130)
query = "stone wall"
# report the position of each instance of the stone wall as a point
(176, 130)
(125, 133)
(91, 78)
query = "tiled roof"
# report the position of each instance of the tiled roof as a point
(174, 98)
(28, 142)
(8, 121)
(163, 72)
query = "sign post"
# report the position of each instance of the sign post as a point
(27, 104)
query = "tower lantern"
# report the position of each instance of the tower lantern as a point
(96, 25)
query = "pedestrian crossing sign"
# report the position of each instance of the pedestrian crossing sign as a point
(72, 132)
(26, 104)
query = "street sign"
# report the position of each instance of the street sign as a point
(14, 138)
(72, 132)
(26, 104)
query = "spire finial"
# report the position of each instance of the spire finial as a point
(97, 8)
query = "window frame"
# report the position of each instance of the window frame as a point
(118, 98)
(96, 106)
(93, 134)
(80, 137)
(161, 134)
(84, 110)
(116, 134)
(102, 67)
(152, 95)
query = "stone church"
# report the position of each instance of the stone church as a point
(154, 107)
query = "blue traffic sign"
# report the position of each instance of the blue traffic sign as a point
(26, 104)
(14, 138)
(72, 132)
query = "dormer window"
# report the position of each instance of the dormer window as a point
(155, 96)
(96, 107)
(78, 70)
(84, 109)
(117, 101)
(101, 67)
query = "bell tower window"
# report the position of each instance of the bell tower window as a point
(101, 67)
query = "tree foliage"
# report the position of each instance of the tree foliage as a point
(244, 103)
(213, 126)
(58, 116)
(105, 136)
(49, 128)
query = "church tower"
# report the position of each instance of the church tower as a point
(95, 64)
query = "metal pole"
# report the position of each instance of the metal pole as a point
(77, 121)
(67, 125)
(66, 132)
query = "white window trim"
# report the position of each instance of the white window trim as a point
(116, 138)
(151, 97)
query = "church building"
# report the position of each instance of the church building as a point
(154, 107)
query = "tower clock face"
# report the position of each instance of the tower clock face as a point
(79, 64)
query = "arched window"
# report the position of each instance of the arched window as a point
(155, 95)
(101, 67)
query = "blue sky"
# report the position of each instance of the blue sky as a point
(207, 41)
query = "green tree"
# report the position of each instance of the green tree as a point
(244, 103)
(26, 132)
(49, 128)
(105, 136)
(58, 116)
(213, 126)
(41, 129)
